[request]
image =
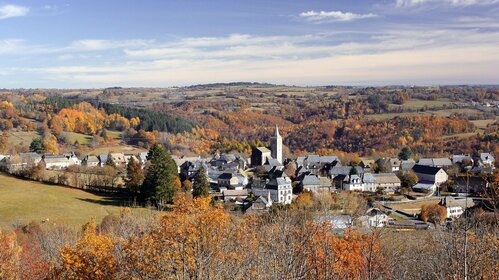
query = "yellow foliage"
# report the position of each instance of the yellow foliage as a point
(91, 258)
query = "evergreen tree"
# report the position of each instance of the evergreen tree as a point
(405, 153)
(134, 176)
(353, 171)
(104, 134)
(37, 145)
(161, 181)
(201, 186)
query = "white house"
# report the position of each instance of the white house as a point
(374, 218)
(56, 162)
(280, 190)
(354, 183)
(487, 159)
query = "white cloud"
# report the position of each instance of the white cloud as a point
(412, 3)
(10, 11)
(324, 16)
(407, 55)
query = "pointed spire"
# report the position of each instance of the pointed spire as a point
(276, 131)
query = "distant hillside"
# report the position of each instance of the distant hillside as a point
(149, 120)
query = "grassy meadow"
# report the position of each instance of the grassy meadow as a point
(22, 201)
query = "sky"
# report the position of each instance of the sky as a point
(146, 43)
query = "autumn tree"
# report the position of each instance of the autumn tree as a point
(9, 255)
(50, 144)
(186, 185)
(161, 181)
(4, 142)
(433, 213)
(408, 179)
(134, 176)
(201, 186)
(92, 257)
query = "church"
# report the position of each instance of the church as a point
(260, 155)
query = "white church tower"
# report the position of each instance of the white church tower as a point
(276, 146)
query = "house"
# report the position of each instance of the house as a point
(455, 206)
(367, 164)
(118, 159)
(345, 170)
(232, 195)
(372, 182)
(74, 160)
(407, 164)
(272, 163)
(459, 159)
(430, 174)
(142, 157)
(316, 164)
(436, 162)
(425, 186)
(471, 184)
(260, 205)
(374, 218)
(56, 162)
(22, 161)
(259, 156)
(228, 181)
(338, 223)
(280, 189)
(315, 183)
(3, 161)
(90, 161)
(487, 159)
(389, 164)
(388, 181)
(354, 183)
(102, 159)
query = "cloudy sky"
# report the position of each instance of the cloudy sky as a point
(87, 44)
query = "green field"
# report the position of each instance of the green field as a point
(22, 137)
(418, 104)
(116, 149)
(24, 201)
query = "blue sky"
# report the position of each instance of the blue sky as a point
(93, 44)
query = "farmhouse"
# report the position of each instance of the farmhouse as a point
(315, 183)
(436, 162)
(430, 174)
(118, 159)
(56, 162)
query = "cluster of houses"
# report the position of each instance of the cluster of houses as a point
(262, 180)
(24, 161)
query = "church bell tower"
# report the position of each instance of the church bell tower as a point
(276, 146)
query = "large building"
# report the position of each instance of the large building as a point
(261, 155)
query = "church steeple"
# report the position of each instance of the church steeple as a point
(276, 145)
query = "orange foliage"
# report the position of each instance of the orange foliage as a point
(9, 256)
(91, 258)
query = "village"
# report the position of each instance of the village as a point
(266, 179)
